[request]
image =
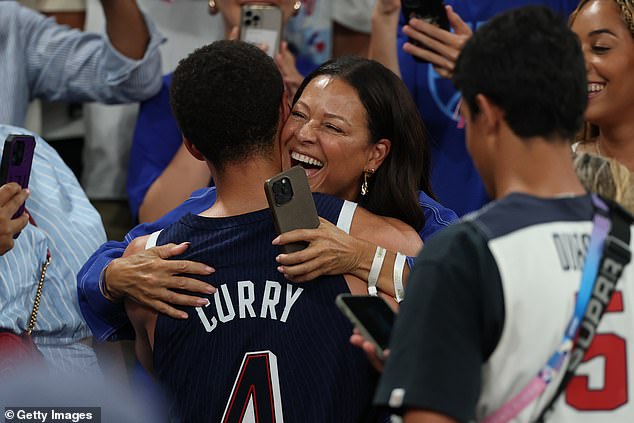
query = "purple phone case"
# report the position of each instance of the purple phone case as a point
(17, 157)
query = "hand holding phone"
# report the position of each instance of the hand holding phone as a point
(431, 11)
(262, 25)
(372, 316)
(291, 203)
(17, 157)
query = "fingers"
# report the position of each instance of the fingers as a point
(295, 236)
(167, 309)
(439, 61)
(234, 33)
(456, 22)
(433, 38)
(191, 285)
(12, 196)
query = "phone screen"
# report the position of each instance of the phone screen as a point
(371, 314)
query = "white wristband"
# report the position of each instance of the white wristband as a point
(399, 264)
(375, 270)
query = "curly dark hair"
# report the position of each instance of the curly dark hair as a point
(226, 98)
(530, 64)
(393, 115)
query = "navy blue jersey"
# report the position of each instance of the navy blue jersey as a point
(265, 349)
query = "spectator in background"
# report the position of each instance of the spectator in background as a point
(454, 178)
(70, 228)
(606, 31)
(489, 299)
(41, 59)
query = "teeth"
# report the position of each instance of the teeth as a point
(305, 159)
(595, 88)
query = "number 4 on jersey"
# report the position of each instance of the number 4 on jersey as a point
(255, 397)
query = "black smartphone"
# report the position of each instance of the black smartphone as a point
(17, 157)
(291, 204)
(371, 315)
(261, 25)
(432, 11)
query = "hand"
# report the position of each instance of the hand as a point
(12, 196)
(358, 340)
(439, 47)
(387, 7)
(286, 64)
(331, 251)
(149, 279)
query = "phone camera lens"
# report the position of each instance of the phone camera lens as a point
(256, 18)
(248, 13)
(247, 22)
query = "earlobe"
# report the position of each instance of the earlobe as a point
(193, 150)
(379, 153)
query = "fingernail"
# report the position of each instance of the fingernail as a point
(187, 243)
(209, 269)
(183, 315)
(210, 290)
(276, 241)
(280, 269)
(202, 302)
(277, 259)
(28, 191)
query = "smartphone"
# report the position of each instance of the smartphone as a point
(262, 25)
(291, 204)
(432, 11)
(371, 315)
(17, 157)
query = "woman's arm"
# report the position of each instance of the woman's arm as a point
(331, 251)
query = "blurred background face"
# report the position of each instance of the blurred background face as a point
(230, 9)
(327, 134)
(608, 47)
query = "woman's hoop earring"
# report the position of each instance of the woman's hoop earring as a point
(297, 7)
(213, 8)
(366, 176)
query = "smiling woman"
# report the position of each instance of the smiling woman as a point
(606, 31)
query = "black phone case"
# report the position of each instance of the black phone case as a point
(299, 212)
(432, 11)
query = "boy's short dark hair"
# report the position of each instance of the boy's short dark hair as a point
(529, 63)
(226, 97)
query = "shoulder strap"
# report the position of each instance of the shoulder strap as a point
(616, 255)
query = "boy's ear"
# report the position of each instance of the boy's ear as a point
(193, 150)
(492, 115)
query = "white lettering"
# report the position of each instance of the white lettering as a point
(203, 318)
(246, 296)
(224, 318)
(290, 300)
(268, 302)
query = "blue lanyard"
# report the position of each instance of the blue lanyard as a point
(600, 229)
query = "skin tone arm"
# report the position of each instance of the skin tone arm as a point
(11, 197)
(441, 48)
(126, 27)
(180, 178)
(332, 251)
(143, 319)
(382, 48)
